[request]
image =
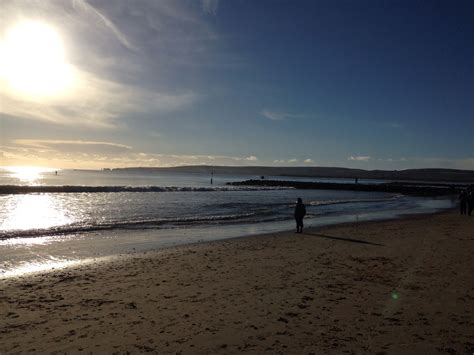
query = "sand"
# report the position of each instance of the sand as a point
(389, 287)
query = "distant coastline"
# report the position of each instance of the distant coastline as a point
(433, 175)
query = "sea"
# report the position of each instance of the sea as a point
(142, 211)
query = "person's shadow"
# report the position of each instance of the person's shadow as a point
(344, 239)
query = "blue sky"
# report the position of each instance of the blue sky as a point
(367, 84)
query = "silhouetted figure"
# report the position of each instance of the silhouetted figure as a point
(300, 212)
(463, 201)
(470, 201)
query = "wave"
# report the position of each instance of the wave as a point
(342, 202)
(130, 224)
(245, 213)
(24, 189)
(287, 205)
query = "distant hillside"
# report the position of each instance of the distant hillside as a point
(446, 175)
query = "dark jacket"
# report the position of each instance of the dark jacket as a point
(300, 211)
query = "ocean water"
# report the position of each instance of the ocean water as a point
(43, 230)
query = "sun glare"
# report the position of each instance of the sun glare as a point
(32, 61)
(34, 212)
(29, 174)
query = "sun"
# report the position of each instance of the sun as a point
(29, 174)
(33, 62)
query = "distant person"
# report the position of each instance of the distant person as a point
(300, 212)
(470, 201)
(463, 201)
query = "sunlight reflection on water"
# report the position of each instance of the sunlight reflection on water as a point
(33, 212)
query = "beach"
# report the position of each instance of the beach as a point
(388, 287)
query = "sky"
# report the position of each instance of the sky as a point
(361, 84)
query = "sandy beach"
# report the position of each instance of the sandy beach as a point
(387, 287)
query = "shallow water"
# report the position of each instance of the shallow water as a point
(44, 230)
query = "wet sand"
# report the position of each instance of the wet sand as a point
(394, 287)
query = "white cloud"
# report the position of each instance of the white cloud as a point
(359, 158)
(309, 161)
(92, 101)
(96, 155)
(210, 6)
(73, 146)
(96, 15)
(286, 161)
(101, 93)
(274, 116)
(280, 116)
(249, 158)
(46, 143)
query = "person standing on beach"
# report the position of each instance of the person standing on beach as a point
(470, 201)
(463, 201)
(300, 212)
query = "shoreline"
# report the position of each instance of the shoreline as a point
(131, 251)
(396, 286)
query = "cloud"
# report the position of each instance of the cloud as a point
(249, 158)
(210, 6)
(116, 54)
(165, 33)
(97, 155)
(286, 161)
(280, 116)
(93, 102)
(274, 116)
(97, 15)
(309, 161)
(359, 158)
(43, 143)
(73, 146)
(390, 160)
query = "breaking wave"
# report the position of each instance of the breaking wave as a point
(131, 224)
(23, 189)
